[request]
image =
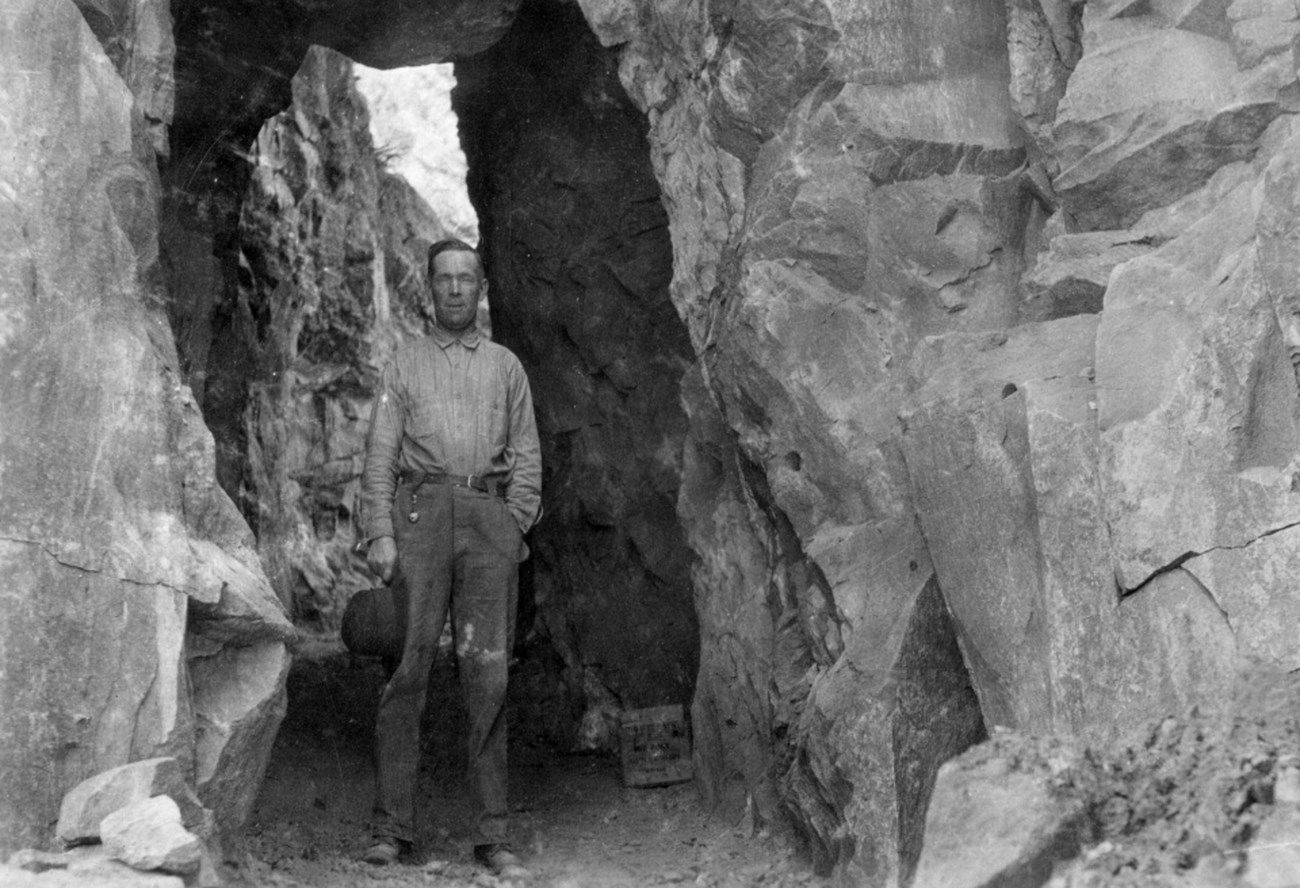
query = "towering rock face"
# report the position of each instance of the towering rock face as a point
(986, 326)
(129, 572)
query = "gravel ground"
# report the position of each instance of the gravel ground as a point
(574, 823)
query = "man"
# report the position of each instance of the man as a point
(451, 483)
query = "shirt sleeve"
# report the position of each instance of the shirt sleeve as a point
(383, 445)
(524, 489)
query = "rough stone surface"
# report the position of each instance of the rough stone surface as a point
(738, 584)
(1260, 29)
(90, 801)
(1122, 151)
(1273, 859)
(813, 256)
(137, 37)
(1072, 274)
(336, 258)
(578, 248)
(239, 702)
(1001, 420)
(881, 421)
(110, 521)
(877, 726)
(992, 822)
(147, 834)
(1196, 399)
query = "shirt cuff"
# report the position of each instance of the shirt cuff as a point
(377, 530)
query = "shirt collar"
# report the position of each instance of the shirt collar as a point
(469, 337)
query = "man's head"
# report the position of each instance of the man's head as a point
(456, 279)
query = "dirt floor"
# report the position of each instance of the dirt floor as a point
(1202, 800)
(574, 823)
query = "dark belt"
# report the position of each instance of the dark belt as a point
(488, 484)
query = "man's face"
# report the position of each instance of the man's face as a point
(458, 284)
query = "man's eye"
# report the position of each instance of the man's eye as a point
(465, 280)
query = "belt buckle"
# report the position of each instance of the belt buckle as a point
(469, 482)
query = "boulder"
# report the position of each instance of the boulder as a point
(90, 801)
(997, 819)
(147, 834)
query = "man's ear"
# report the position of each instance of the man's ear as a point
(483, 288)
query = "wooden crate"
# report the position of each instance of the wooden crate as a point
(656, 746)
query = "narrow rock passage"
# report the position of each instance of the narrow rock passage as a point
(574, 823)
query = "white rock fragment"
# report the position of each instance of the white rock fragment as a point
(148, 835)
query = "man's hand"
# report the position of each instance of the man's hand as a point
(381, 555)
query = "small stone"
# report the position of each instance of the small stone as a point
(1287, 789)
(148, 835)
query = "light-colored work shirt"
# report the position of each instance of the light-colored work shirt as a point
(458, 404)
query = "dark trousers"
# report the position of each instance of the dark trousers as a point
(459, 554)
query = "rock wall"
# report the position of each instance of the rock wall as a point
(138, 621)
(987, 390)
(992, 344)
(577, 244)
(334, 251)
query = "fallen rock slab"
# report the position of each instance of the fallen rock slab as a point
(148, 835)
(994, 818)
(93, 799)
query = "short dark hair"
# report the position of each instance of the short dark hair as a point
(447, 245)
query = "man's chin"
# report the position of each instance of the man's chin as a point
(456, 324)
